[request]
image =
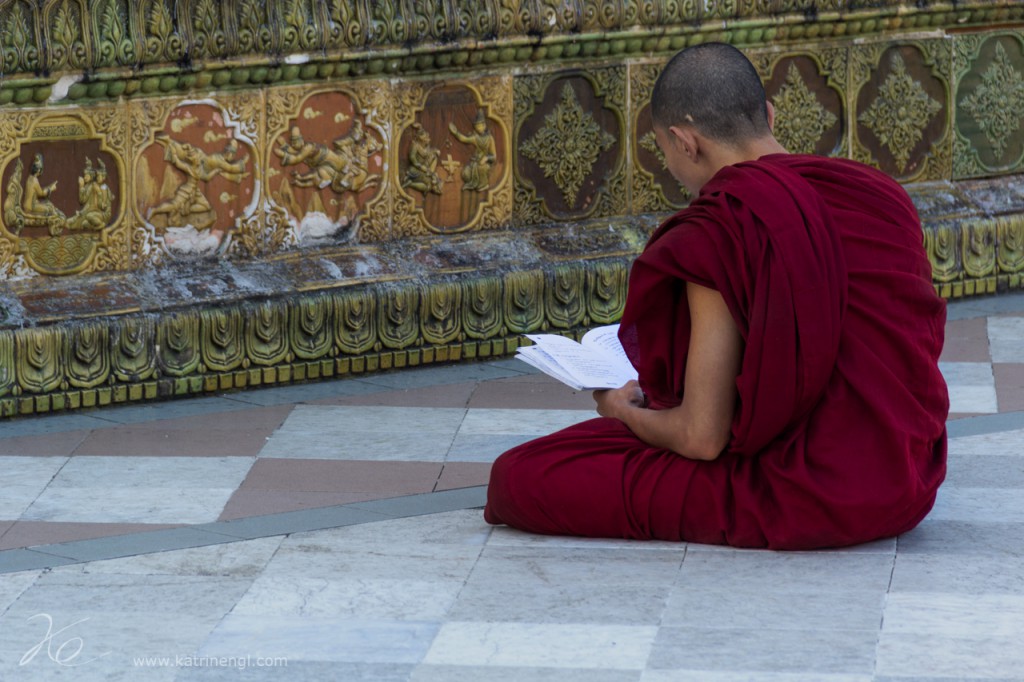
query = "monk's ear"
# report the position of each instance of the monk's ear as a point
(771, 116)
(686, 141)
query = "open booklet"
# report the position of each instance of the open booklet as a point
(596, 361)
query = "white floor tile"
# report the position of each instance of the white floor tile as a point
(1006, 338)
(1000, 443)
(521, 422)
(614, 647)
(979, 505)
(971, 387)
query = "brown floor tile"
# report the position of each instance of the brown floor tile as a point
(331, 476)
(47, 445)
(966, 341)
(536, 394)
(463, 475)
(32, 533)
(225, 434)
(448, 395)
(962, 415)
(1009, 379)
(4, 526)
(245, 503)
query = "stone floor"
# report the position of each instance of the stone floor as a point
(332, 531)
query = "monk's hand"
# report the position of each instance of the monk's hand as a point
(615, 402)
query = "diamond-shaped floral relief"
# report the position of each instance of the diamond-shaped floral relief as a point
(900, 113)
(997, 103)
(568, 145)
(800, 119)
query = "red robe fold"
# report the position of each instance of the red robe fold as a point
(839, 433)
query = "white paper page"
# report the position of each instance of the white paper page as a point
(606, 339)
(590, 369)
(534, 356)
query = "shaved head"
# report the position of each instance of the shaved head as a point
(714, 88)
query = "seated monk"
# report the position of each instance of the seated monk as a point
(786, 335)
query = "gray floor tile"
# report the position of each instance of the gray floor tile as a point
(234, 559)
(979, 505)
(290, 522)
(985, 471)
(955, 616)
(768, 609)
(427, 503)
(958, 574)
(54, 423)
(300, 671)
(600, 646)
(726, 676)
(987, 423)
(16, 560)
(483, 448)
(321, 639)
(785, 572)
(12, 585)
(1011, 302)
(462, 673)
(171, 409)
(443, 374)
(304, 393)
(961, 537)
(135, 543)
(765, 651)
(926, 655)
(529, 566)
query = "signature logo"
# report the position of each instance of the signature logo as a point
(64, 653)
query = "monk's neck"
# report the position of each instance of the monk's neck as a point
(718, 157)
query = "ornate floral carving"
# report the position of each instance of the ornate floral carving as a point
(979, 238)
(133, 353)
(1010, 237)
(568, 144)
(88, 363)
(481, 315)
(253, 27)
(38, 357)
(524, 301)
(68, 43)
(311, 327)
(222, 332)
(997, 104)
(941, 246)
(355, 321)
(163, 42)
(20, 50)
(113, 39)
(801, 119)
(900, 113)
(299, 30)
(440, 306)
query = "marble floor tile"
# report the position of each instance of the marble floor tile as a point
(963, 537)
(12, 585)
(769, 609)
(510, 537)
(462, 673)
(32, 533)
(979, 505)
(23, 480)
(604, 647)
(1006, 338)
(548, 565)
(1009, 385)
(321, 639)
(726, 676)
(511, 598)
(160, 490)
(450, 396)
(765, 651)
(971, 387)
(474, 447)
(786, 572)
(465, 527)
(463, 474)
(985, 471)
(958, 574)
(246, 503)
(345, 476)
(48, 445)
(1000, 443)
(966, 341)
(955, 616)
(301, 671)
(365, 433)
(911, 656)
(531, 392)
(359, 596)
(136, 504)
(243, 559)
(521, 422)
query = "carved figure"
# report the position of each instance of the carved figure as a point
(189, 204)
(36, 204)
(95, 198)
(421, 175)
(344, 168)
(476, 174)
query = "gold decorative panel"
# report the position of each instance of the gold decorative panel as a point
(570, 133)
(62, 192)
(808, 90)
(653, 188)
(901, 117)
(451, 157)
(327, 164)
(197, 176)
(989, 104)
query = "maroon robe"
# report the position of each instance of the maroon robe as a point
(839, 433)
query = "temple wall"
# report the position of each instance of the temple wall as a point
(198, 195)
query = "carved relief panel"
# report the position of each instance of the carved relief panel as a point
(451, 157)
(327, 164)
(901, 108)
(197, 177)
(62, 192)
(570, 160)
(989, 104)
(22, 52)
(654, 188)
(807, 90)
